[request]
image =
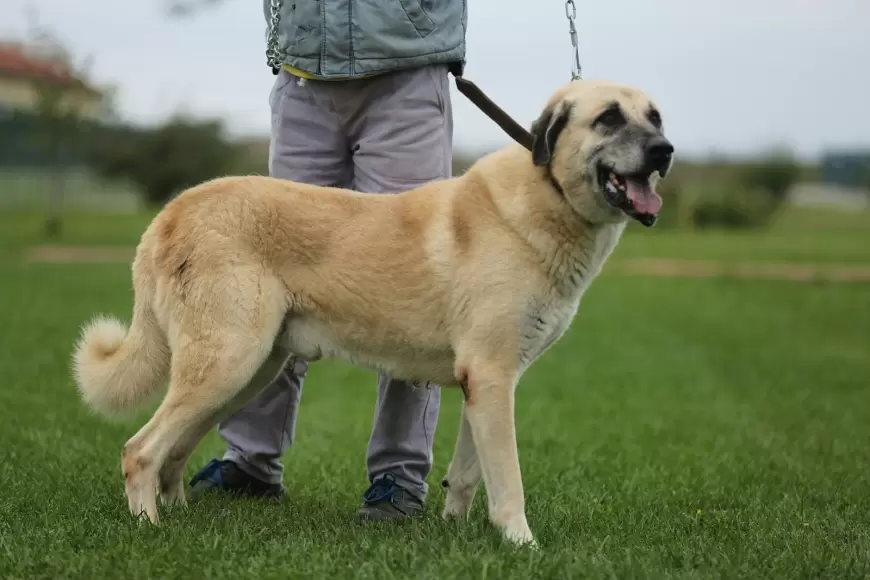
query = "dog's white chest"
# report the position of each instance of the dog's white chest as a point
(549, 316)
(545, 324)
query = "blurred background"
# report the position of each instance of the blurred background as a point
(112, 110)
(705, 416)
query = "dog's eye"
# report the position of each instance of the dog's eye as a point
(655, 118)
(611, 118)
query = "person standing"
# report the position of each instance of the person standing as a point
(361, 100)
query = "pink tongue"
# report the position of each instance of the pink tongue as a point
(642, 196)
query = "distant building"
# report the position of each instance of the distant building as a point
(24, 72)
(28, 75)
(846, 169)
(843, 182)
(830, 195)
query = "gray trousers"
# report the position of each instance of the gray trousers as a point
(384, 134)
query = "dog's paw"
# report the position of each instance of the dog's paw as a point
(517, 532)
(143, 511)
(454, 512)
(520, 537)
(144, 518)
(457, 505)
(172, 495)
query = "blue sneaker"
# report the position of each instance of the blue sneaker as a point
(386, 500)
(224, 475)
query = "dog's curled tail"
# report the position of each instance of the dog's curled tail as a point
(116, 368)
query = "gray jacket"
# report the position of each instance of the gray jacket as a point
(350, 38)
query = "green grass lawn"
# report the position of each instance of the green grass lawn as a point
(20, 230)
(682, 429)
(798, 235)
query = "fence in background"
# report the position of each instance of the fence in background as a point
(38, 174)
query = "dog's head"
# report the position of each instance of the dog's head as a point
(603, 146)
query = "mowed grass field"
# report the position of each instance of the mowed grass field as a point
(683, 428)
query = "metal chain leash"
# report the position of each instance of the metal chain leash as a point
(272, 54)
(571, 14)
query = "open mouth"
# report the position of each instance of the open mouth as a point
(633, 194)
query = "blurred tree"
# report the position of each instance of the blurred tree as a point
(168, 159)
(746, 194)
(775, 173)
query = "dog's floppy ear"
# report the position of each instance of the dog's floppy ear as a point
(546, 130)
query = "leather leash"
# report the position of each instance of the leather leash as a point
(494, 112)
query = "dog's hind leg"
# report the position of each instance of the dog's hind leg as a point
(171, 476)
(217, 351)
(463, 473)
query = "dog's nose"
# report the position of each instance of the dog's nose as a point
(659, 151)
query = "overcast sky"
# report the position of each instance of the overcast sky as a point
(731, 76)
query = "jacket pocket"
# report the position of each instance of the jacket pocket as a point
(418, 17)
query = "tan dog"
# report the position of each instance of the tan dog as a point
(463, 282)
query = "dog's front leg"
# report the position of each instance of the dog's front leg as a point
(463, 473)
(489, 410)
